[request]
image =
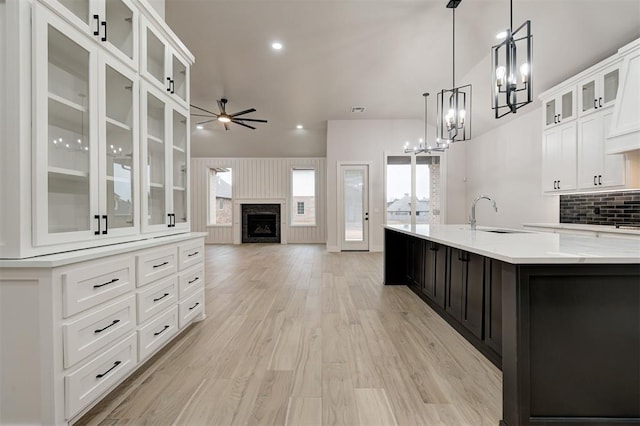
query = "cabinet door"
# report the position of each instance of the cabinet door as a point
(609, 86)
(551, 156)
(457, 278)
(154, 143)
(613, 165)
(568, 155)
(119, 29)
(180, 168)
(154, 57)
(588, 95)
(599, 91)
(119, 159)
(493, 305)
(428, 288)
(473, 293)
(66, 132)
(590, 151)
(179, 75)
(440, 275)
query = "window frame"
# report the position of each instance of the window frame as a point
(292, 216)
(208, 203)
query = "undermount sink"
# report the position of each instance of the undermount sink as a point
(502, 231)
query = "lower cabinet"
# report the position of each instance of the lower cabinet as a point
(435, 273)
(78, 329)
(493, 304)
(465, 300)
(415, 262)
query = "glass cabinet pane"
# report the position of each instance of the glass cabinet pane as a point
(155, 161)
(588, 96)
(567, 105)
(119, 19)
(610, 90)
(80, 8)
(550, 112)
(155, 56)
(179, 78)
(119, 149)
(179, 167)
(68, 135)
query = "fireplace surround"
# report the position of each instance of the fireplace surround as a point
(261, 223)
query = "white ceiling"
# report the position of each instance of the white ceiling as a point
(379, 54)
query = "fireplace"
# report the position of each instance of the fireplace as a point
(260, 223)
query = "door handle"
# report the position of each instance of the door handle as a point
(106, 224)
(595, 103)
(599, 179)
(594, 180)
(555, 119)
(97, 217)
(558, 185)
(104, 25)
(168, 84)
(97, 31)
(600, 102)
(559, 118)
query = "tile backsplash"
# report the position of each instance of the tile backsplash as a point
(605, 208)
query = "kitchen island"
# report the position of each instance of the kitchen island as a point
(558, 313)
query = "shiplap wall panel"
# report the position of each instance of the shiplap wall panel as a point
(258, 178)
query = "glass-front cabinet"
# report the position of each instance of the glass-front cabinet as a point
(600, 90)
(165, 145)
(114, 23)
(560, 108)
(163, 66)
(86, 130)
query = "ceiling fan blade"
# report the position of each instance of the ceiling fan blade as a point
(201, 115)
(205, 122)
(226, 126)
(202, 109)
(246, 111)
(242, 124)
(251, 119)
(221, 106)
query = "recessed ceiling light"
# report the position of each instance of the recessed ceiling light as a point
(276, 45)
(299, 126)
(199, 127)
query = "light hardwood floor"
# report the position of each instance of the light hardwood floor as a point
(298, 336)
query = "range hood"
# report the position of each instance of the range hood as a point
(624, 134)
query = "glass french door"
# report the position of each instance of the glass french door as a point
(355, 207)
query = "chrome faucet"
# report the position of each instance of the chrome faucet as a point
(472, 219)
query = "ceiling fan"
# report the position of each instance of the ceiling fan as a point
(226, 118)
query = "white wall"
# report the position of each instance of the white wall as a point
(366, 141)
(260, 179)
(506, 164)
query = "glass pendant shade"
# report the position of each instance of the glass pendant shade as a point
(512, 71)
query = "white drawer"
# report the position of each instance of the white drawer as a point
(90, 381)
(159, 331)
(154, 264)
(190, 253)
(96, 329)
(191, 280)
(191, 307)
(95, 283)
(157, 298)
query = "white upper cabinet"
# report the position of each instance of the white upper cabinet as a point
(559, 108)
(597, 169)
(165, 153)
(559, 159)
(163, 66)
(599, 90)
(86, 134)
(113, 23)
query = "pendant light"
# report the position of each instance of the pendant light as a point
(453, 115)
(424, 147)
(512, 73)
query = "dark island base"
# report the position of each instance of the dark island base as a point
(569, 334)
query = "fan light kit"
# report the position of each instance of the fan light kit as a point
(224, 117)
(512, 75)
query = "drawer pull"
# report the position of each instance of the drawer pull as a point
(193, 254)
(194, 306)
(115, 364)
(110, 325)
(162, 264)
(193, 280)
(107, 283)
(161, 297)
(161, 331)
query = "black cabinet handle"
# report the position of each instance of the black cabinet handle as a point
(555, 182)
(110, 325)
(559, 118)
(104, 25)
(599, 179)
(161, 331)
(168, 84)
(106, 224)
(558, 184)
(115, 364)
(172, 86)
(193, 280)
(115, 280)
(600, 102)
(555, 119)
(194, 306)
(161, 264)
(595, 103)
(97, 31)
(161, 297)
(173, 215)
(594, 180)
(97, 217)
(193, 254)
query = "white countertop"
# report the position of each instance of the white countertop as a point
(69, 257)
(584, 227)
(526, 247)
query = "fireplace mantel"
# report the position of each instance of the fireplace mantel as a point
(237, 216)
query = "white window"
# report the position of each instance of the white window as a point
(303, 197)
(220, 196)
